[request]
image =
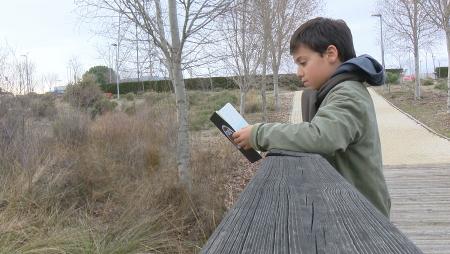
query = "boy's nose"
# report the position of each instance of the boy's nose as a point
(300, 73)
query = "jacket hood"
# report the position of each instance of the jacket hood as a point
(365, 66)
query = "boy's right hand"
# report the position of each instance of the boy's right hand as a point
(242, 137)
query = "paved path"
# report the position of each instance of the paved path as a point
(417, 171)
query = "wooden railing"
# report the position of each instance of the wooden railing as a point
(298, 203)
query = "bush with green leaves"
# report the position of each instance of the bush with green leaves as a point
(129, 96)
(102, 106)
(427, 82)
(84, 94)
(290, 81)
(441, 72)
(392, 78)
(441, 85)
(102, 74)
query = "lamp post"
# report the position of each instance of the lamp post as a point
(137, 60)
(110, 65)
(382, 43)
(117, 69)
(117, 45)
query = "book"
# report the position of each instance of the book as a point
(228, 121)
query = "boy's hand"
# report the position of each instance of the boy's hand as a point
(242, 137)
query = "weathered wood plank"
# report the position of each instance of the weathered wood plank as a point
(421, 204)
(297, 203)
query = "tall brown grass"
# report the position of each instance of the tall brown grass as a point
(73, 184)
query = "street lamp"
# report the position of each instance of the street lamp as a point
(110, 65)
(382, 44)
(117, 69)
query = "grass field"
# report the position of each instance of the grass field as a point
(74, 183)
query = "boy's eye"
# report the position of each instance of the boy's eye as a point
(302, 63)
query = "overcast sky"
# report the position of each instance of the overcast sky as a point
(50, 33)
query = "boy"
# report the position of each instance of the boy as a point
(339, 116)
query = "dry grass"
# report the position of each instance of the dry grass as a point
(72, 184)
(204, 103)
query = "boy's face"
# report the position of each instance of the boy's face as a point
(315, 69)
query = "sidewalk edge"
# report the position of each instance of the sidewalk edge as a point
(412, 117)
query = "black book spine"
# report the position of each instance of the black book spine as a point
(251, 154)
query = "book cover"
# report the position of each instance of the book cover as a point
(228, 121)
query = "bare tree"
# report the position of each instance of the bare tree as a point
(264, 12)
(439, 14)
(285, 16)
(16, 72)
(154, 18)
(75, 69)
(5, 83)
(406, 21)
(244, 47)
(49, 81)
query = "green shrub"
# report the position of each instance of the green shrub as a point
(129, 96)
(290, 81)
(293, 87)
(427, 82)
(441, 85)
(102, 106)
(84, 94)
(203, 104)
(200, 120)
(392, 78)
(219, 99)
(102, 74)
(441, 72)
(154, 98)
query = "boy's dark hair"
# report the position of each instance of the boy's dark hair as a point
(319, 33)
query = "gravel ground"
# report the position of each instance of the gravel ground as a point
(239, 178)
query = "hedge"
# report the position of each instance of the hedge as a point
(394, 71)
(285, 80)
(441, 72)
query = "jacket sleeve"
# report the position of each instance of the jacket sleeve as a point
(337, 124)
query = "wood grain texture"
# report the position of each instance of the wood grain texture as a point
(297, 203)
(421, 204)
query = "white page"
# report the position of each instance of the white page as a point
(232, 117)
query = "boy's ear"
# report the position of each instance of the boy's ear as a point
(332, 54)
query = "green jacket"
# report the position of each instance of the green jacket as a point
(345, 132)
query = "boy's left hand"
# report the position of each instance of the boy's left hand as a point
(242, 137)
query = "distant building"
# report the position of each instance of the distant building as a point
(59, 89)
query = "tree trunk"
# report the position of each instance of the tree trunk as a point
(264, 82)
(417, 72)
(416, 52)
(183, 156)
(263, 90)
(242, 101)
(267, 37)
(447, 35)
(275, 87)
